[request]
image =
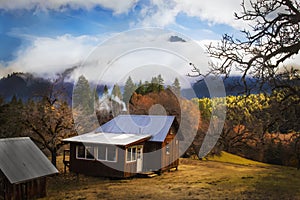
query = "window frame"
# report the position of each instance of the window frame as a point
(88, 152)
(167, 149)
(85, 152)
(133, 154)
(77, 150)
(127, 151)
(106, 153)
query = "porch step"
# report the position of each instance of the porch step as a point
(152, 175)
(173, 169)
(147, 174)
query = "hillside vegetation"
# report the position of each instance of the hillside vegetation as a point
(236, 178)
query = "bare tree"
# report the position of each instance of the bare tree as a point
(274, 38)
(49, 119)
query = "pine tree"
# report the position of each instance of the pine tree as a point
(154, 80)
(141, 88)
(176, 86)
(82, 95)
(128, 90)
(117, 91)
(153, 86)
(105, 90)
(96, 99)
(1, 101)
(14, 100)
(160, 83)
(11, 118)
(96, 96)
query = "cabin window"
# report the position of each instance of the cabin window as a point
(139, 153)
(90, 153)
(129, 152)
(167, 149)
(101, 152)
(107, 153)
(85, 152)
(111, 153)
(133, 153)
(80, 152)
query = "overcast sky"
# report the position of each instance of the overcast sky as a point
(48, 36)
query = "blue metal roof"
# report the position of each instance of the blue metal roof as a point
(21, 160)
(155, 125)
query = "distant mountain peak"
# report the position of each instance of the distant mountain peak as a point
(175, 38)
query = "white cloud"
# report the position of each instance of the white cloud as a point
(142, 54)
(123, 53)
(48, 56)
(294, 61)
(117, 6)
(162, 13)
(214, 11)
(52, 55)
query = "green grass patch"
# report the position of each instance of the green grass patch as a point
(234, 159)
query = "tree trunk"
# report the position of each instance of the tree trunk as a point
(298, 167)
(53, 157)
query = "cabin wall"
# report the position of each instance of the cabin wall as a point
(130, 169)
(152, 156)
(28, 190)
(170, 153)
(156, 157)
(118, 169)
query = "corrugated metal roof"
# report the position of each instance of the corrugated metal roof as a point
(21, 160)
(155, 125)
(107, 138)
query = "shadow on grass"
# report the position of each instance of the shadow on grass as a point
(275, 183)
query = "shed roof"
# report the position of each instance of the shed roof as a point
(108, 138)
(155, 125)
(21, 160)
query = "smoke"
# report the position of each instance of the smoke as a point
(106, 103)
(118, 100)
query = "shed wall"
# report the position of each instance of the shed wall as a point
(33, 189)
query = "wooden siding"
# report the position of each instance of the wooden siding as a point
(170, 160)
(156, 158)
(130, 169)
(118, 169)
(33, 189)
(152, 156)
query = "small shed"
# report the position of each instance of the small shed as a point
(125, 146)
(23, 169)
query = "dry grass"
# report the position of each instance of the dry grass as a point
(194, 180)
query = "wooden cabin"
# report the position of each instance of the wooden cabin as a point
(23, 169)
(125, 146)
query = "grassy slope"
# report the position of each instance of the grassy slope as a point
(234, 159)
(236, 178)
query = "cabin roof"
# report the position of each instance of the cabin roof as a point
(155, 125)
(108, 138)
(21, 160)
